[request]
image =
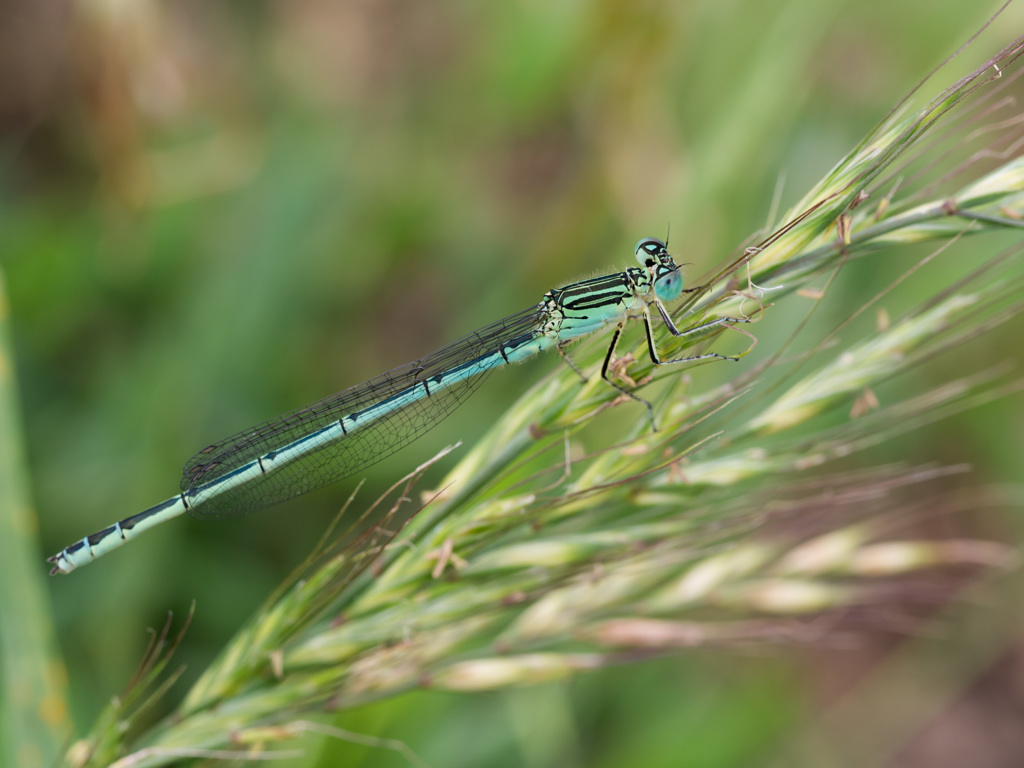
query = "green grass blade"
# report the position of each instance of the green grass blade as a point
(34, 720)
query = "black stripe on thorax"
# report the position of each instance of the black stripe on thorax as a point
(596, 292)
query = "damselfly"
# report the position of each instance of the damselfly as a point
(347, 432)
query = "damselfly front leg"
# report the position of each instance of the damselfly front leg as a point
(652, 349)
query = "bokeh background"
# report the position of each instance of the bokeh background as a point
(211, 213)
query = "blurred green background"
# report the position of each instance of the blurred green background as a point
(211, 213)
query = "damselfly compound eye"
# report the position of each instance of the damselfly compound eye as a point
(669, 285)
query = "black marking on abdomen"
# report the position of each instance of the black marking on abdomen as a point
(99, 536)
(70, 549)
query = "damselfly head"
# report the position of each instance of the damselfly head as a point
(653, 256)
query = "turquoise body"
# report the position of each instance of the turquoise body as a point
(343, 434)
